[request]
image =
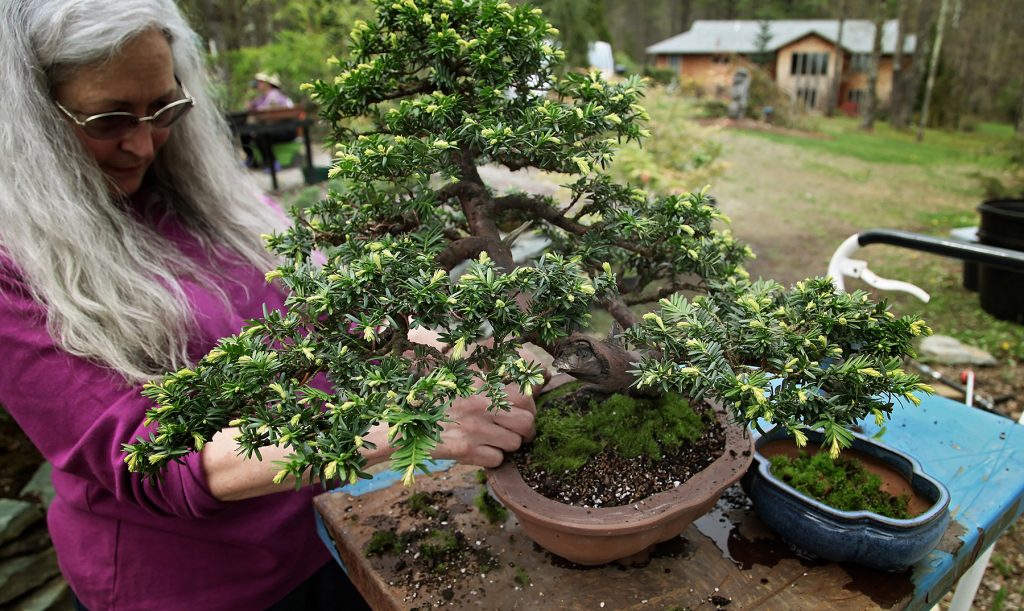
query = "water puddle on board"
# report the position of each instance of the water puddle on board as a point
(732, 521)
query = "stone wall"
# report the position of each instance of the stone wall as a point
(29, 577)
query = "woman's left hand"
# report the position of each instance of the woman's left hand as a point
(477, 436)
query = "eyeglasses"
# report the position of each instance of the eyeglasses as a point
(117, 125)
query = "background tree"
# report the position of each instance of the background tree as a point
(977, 75)
(870, 109)
(837, 76)
(933, 66)
(910, 83)
(579, 22)
(762, 56)
(898, 60)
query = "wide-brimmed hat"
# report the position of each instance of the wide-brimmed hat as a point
(272, 79)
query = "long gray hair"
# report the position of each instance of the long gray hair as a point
(109, 284)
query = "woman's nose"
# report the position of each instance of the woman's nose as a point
(139, 141)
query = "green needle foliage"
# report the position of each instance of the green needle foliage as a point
(431, 90)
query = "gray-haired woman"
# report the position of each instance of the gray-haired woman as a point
(129, 243)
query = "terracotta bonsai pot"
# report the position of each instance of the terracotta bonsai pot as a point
(862, 537)
(598, 535)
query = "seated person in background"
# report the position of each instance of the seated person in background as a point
(270, 97)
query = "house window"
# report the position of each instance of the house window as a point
(859, 62)
(719, 59)
(809, 63)
(808, 96)
(856, 96)
(675, 62)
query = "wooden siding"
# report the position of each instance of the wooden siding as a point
(715, 77)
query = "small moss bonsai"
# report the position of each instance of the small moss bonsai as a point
(433, 90)
(841, 483)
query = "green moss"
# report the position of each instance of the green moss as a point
(568, 438)
(420, 503)
(481, 476)
(384, 542)
(494, 511)
(522, 577)
(551, 397)
(842, 483)
(438, 545)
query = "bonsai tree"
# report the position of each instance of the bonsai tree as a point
(433, 90)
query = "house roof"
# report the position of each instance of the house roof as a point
(740, 36)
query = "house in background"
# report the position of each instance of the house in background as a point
(801, 54)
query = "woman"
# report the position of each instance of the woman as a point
(270, 94)
(128, 245)
(270, 98)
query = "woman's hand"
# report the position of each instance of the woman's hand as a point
(480, 437)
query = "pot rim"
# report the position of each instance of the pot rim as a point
(635, 517)
(940, 505)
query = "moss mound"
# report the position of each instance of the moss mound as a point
(570, 433)
(842, 483)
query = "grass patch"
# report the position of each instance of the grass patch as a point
(999, 562)
(999, 599)
(983, 147)
(953, 310)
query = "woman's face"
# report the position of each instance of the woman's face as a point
(139, 80)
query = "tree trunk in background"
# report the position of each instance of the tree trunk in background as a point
(896, 96)
(871, 107)
(679, 16)
(922, 50)
(933, 67)
(837, 78)
(1020, 114)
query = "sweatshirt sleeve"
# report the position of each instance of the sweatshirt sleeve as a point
(79, 413)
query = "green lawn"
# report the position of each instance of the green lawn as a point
(984, 147)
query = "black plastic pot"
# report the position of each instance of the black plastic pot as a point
(1001, 291)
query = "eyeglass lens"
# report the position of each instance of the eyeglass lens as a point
(116, 125)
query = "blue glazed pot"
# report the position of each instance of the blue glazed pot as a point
(862, 537)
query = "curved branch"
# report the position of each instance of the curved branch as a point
(619, 310)
(541, 209)
(470, 247)
(660, 294)
(477, 204)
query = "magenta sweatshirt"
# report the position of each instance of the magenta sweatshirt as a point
(123, 543)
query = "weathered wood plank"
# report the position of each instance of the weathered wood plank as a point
(726, 560)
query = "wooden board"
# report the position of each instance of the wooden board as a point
(727, 559)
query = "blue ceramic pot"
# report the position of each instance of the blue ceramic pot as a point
(862, 537)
